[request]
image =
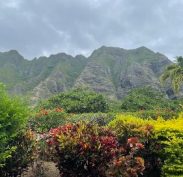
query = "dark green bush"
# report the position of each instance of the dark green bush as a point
(78, 101)
(141, 99)
(15, 146)
(21, 157)
(13, 118)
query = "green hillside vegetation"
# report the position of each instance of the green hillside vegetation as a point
(77, 101)
(107, 115)
(22, 76)
(77, 131)
(148, 102)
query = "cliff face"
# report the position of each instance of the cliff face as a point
(112, 71)
(115, 71)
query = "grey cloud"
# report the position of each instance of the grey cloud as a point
(40, 27)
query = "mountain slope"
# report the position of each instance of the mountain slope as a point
(110, 70)
(115, 71)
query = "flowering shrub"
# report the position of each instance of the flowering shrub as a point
(87, 150)
(129, 126)
(162, 140)
(83, 149)
(46, 119)
(128, 163)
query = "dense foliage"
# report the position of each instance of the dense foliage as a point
(169, 134)
(21, 157)
(13, 117)
(163, 147)
(77, 132)
(174, 73)
(87, 150)
(16, 143)
(148, 99)
(78, 101)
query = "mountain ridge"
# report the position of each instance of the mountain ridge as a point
(109, 70)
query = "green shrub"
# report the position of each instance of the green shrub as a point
(77, 101)
(145, 99)
(169, 134)
(21, 157)
(13, 118)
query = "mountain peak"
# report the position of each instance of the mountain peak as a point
(13, 52)
(107, 50)
(143, 48)
(119, 50)
(12, 55)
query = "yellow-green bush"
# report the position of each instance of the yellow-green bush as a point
(170, 135)
(129, 126)
(163, 140)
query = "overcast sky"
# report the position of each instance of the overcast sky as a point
(43, 27)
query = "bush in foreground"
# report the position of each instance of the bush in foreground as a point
(87, 150)
(21, 157)
(15, 145)
(162, 139)
(13, 118)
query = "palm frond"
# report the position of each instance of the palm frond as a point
(174, 72)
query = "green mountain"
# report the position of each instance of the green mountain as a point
(112, 71)
(115, 71)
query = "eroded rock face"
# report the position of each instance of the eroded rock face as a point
(109, 70)
(97, 78)
(116, 71)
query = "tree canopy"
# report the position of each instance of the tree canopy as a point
(146, 98)
(78, 101)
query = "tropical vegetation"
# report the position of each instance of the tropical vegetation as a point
(84, 136)
(174, 73)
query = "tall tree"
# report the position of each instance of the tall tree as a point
(174, 73)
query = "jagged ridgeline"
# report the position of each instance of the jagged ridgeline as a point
(109, 70)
